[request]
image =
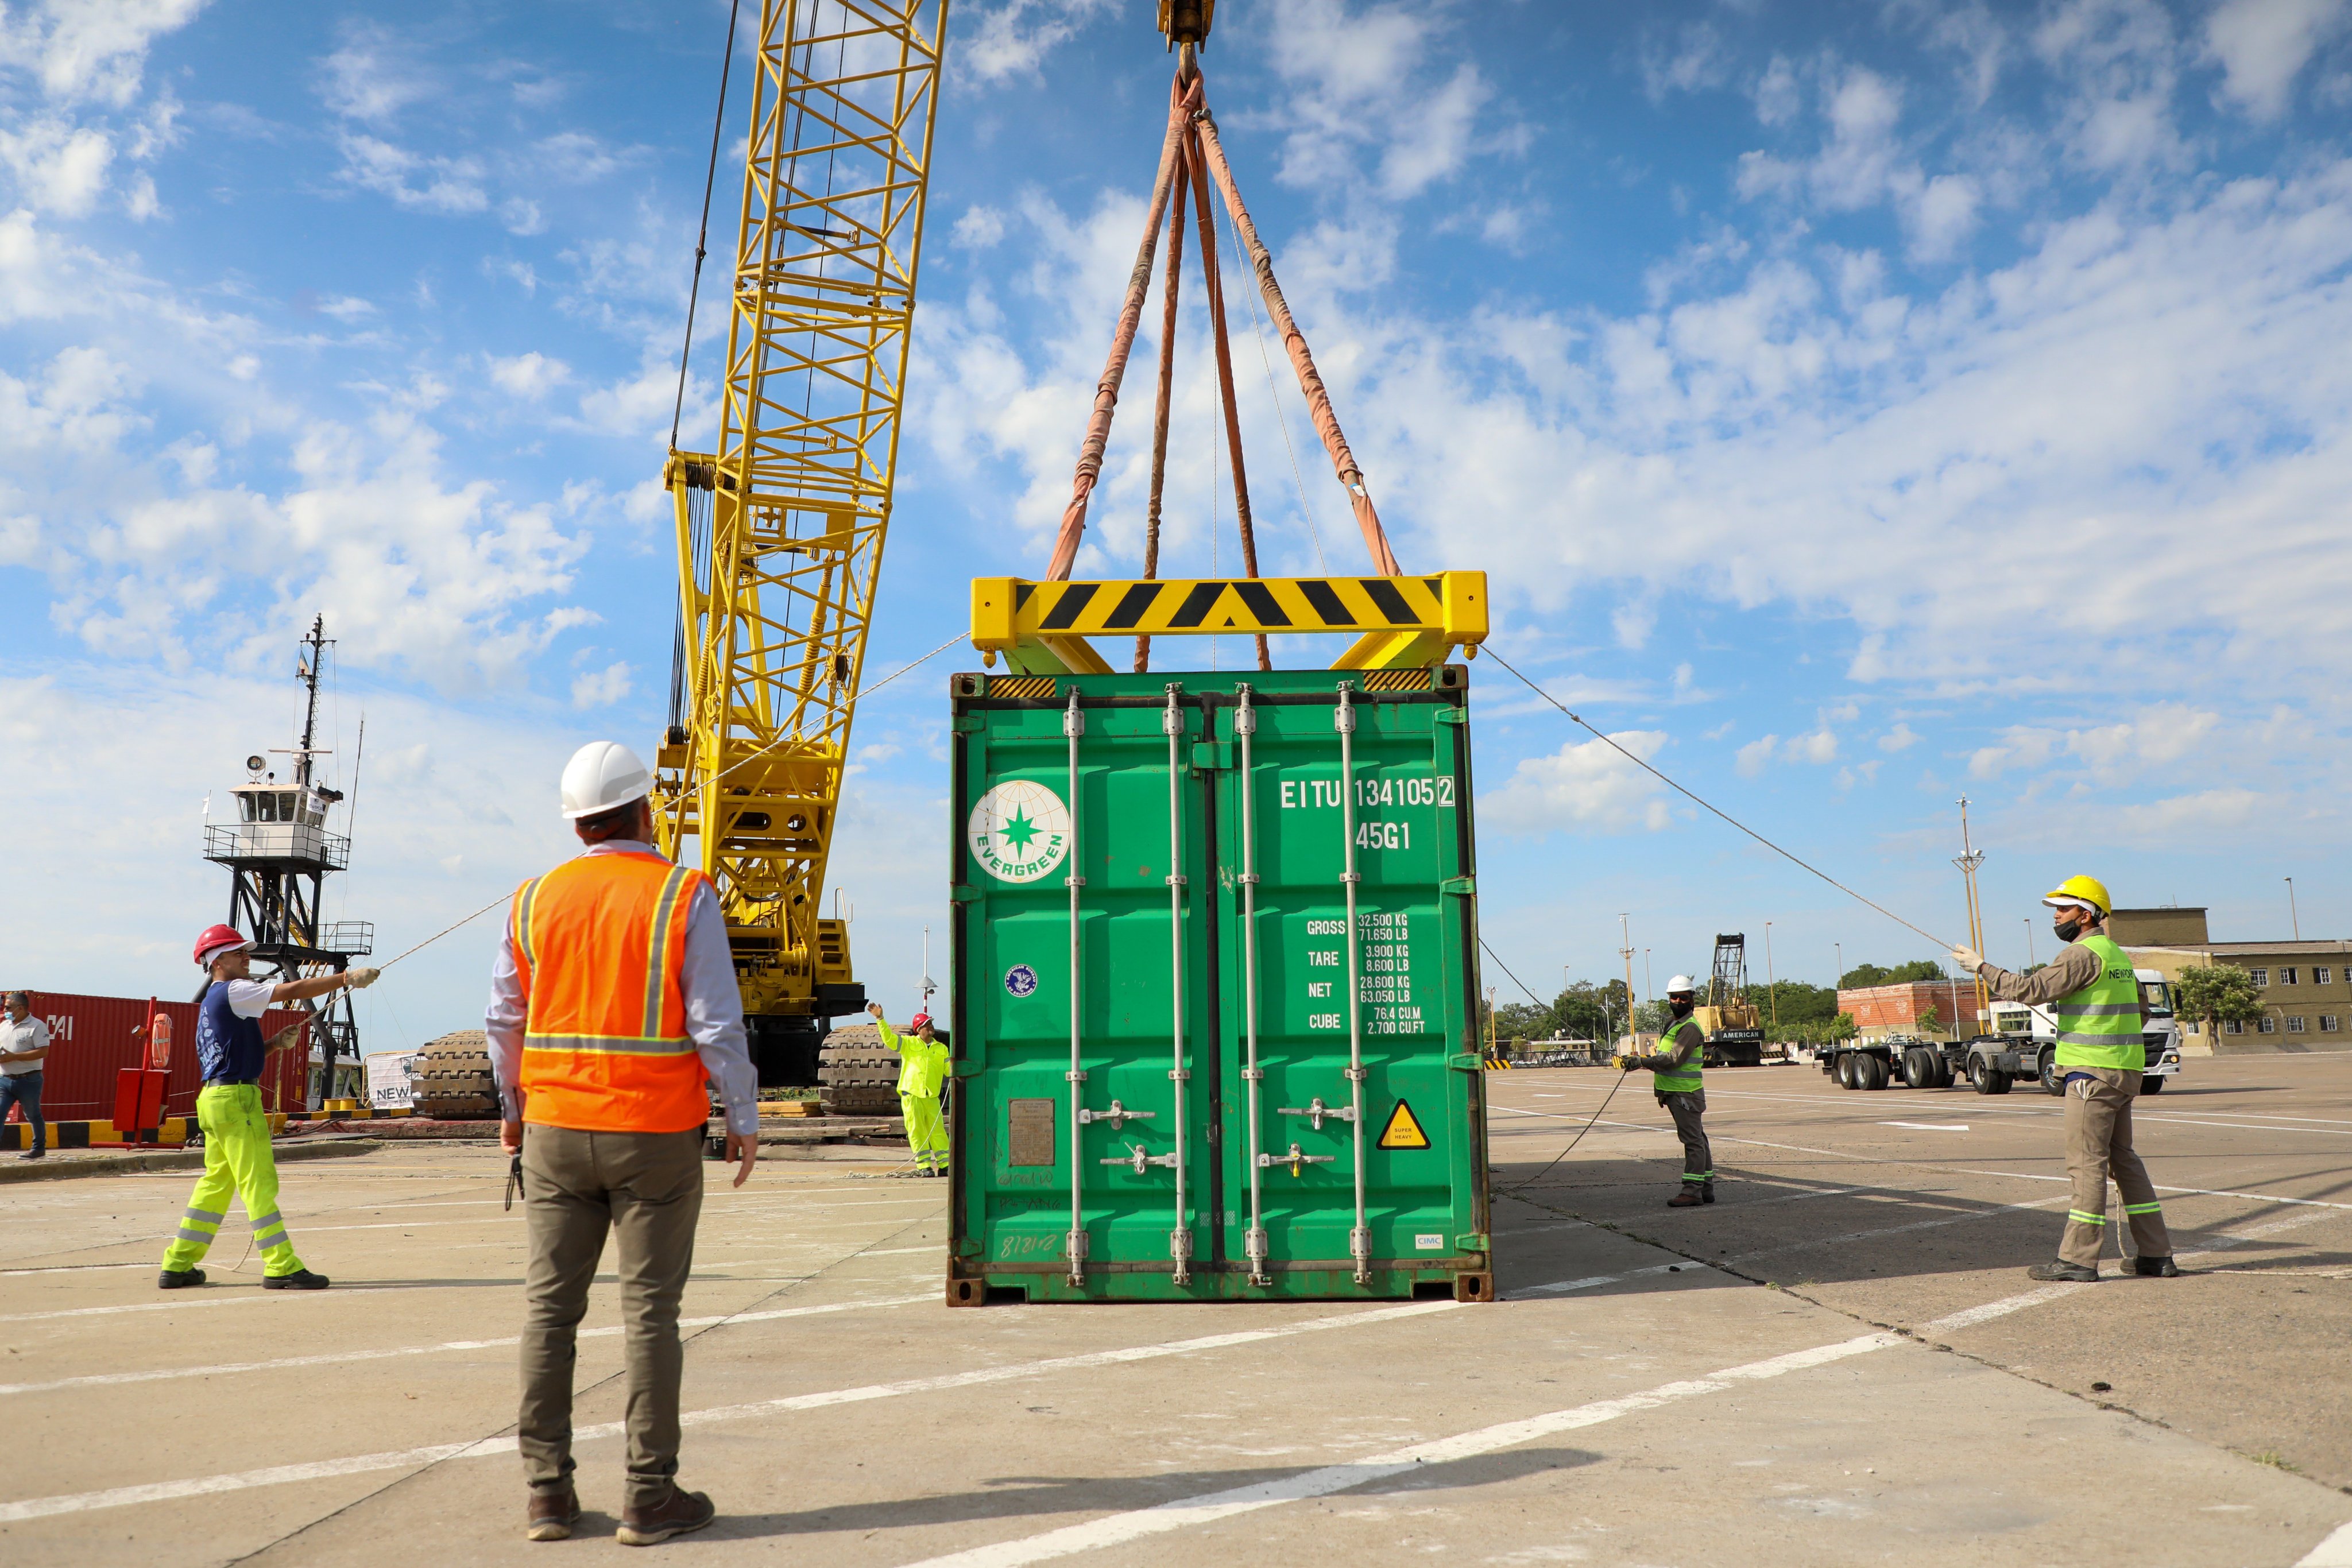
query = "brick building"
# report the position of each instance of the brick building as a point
(1882, 1011)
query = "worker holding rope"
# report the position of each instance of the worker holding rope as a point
(1674, 1066)
(2094, 997)
(232, 1056)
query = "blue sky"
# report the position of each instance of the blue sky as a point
(1856, 406)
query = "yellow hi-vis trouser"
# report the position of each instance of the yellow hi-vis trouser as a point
(927, 1132)
(237, 1160)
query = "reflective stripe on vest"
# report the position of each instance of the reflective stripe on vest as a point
(600, 945)
(1686, 1078)
(2099, 1026)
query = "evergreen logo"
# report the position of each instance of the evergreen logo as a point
(1019, 831)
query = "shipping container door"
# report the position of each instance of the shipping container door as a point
(1014, 1160)
(1418, 1139)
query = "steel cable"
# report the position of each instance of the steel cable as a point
(1784, 854)
(1590, 1121)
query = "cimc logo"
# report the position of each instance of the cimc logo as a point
(1020, 831)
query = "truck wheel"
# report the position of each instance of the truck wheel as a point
(2051, 1084)
(1917, 1071)
(1873, 1072)
(1985, 1078)
(2151, 1085)
(1945, 1075)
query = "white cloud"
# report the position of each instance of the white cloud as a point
(89, 49)
(1371, 82)
(1585, 785)
(1900, 739)
(531, 375)
(414, 180)
(1697, 57)
(979, 227)
(368, 79)
(2263, 45)
(1012, 38)
(601, 688)
(2155, 736)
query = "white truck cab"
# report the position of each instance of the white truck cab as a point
(2159, 1034)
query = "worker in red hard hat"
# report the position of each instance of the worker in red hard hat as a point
(232, 1055)
(922, 1072)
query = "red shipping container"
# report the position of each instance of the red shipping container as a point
(91, 1039)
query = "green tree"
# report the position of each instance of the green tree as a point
(1862, 975)
(2217, 994)
(1791, 1009)
(1930, 1020)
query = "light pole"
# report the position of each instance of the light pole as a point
(1840, 982)
(1649, 981)
(2029, 959)
(1772, 985)
(2291, 915)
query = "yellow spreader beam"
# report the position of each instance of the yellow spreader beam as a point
(1396, 623)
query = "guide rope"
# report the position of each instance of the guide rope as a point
(1743, 827)
(1590, 1121)
(503, 897)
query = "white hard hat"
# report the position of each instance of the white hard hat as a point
(1678, 985)
(602, 775)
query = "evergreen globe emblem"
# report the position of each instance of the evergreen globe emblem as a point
(1019, 831)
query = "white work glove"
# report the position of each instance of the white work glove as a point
(360, 979)
(1967, 957)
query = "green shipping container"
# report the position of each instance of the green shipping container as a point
(1215, 1025)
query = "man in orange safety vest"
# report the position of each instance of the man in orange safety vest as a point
(614, 1013)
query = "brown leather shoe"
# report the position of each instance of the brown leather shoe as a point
(552, 1515)
(1686, 1198)
(679, 1513)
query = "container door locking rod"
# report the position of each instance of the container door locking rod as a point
(1343, 718)
(1253, 1242)
(1172, 723)
(1073, 725)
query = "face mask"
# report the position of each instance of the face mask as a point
(1681, 1006)
(2070, 927)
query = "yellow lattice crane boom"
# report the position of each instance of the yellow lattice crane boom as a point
(779, 532)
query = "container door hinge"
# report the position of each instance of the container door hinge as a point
(970, 723)
(1460, 886)
(963, 893)
(1467, 1062)
(1473, 1241)
(1453, 716)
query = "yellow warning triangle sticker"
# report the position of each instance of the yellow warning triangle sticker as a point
(1402, 1131)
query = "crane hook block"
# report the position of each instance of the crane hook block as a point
(1187, 21)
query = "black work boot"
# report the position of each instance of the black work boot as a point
(2148, 1268)
(1706, 1191)
(179, 1278)
(2062, 1270)
(299, 1280)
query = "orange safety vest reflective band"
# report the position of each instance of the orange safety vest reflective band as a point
(600, 946)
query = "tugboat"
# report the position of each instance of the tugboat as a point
(280, 852)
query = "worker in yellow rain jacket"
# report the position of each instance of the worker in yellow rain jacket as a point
(923, 1070)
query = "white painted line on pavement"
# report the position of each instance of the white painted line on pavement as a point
(1929, 1127)
(160, 1374)
(76, 1268)
(2335, 1552)
(1185, 1512)
(407, 1459)
(137, 1307)
(1595, 1281)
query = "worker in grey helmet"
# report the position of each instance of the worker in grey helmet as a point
(1675, 1068)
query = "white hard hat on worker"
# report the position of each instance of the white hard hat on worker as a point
(1680, 985)
(600, 776)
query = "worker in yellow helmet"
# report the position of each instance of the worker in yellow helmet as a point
(2094, 1002)
(1674, 1075)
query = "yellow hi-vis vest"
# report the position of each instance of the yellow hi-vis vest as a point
(1686, 1078)
(2099, 1026)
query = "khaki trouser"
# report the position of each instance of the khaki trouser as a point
(1687, 1106)
(2099, 1144)
(645, 1189)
